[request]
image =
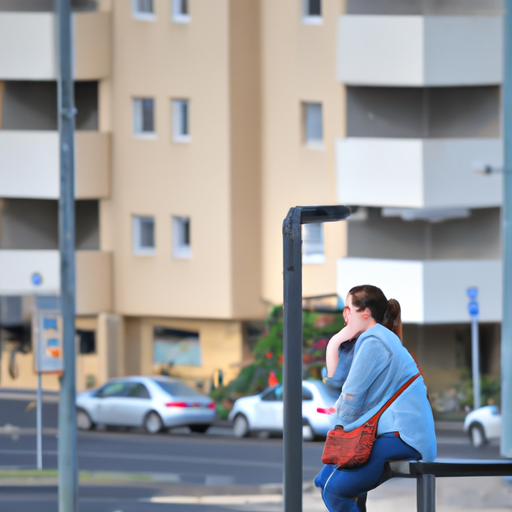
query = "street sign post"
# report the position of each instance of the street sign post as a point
(292, 343)
(473, 310)
(48, 355)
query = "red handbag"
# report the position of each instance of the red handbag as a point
(350, 450)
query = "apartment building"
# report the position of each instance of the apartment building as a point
(200, 123)
(423, 115)
(194, 137)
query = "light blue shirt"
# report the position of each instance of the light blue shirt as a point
(369, 372)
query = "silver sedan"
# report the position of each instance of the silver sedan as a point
(264, 412)
(155, 403)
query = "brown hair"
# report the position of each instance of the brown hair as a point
(384, 311)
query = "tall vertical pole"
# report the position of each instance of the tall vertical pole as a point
(475, 362)
(506, 323)
(39, 421)
(292, 343)
(292, 367)
(67, 458)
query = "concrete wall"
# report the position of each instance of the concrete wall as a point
(298, 66)
(161, 178)
(423, 112)
(33, 224)
(32, 105)
(381, 237)
(245, 156)
(435, 7)
(33, 35)
(221, 345)
(419, 50)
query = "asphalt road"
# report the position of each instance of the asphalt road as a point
(178, 463)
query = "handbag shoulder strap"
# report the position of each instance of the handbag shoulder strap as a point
(395, 396)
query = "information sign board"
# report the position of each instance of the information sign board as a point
(49, 342)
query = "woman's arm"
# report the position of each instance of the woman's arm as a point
(371, 360)
(348, 332)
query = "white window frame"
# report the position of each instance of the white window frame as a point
(311, 19)
(177, 11)
(181, 248)
(178, 134)
(138, 121)
(313, 253)
(307, 108)
(143, 15)
(139, 249)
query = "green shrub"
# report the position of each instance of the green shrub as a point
(268, 356)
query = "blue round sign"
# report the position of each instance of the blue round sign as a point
(473, 307)
(37, 279)
(472, 292)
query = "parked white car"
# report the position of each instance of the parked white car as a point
(155, 403)
(483, 425)
(264, 412)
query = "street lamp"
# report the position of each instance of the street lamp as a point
(292, 343)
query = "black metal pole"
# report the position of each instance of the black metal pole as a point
(67, 458)
(292, 343)
(506, 322)
(292, 368)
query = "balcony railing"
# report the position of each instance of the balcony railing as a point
(419, 50)
(24, 272)
(29, 164)
(28, 42)
(429, 291)
(418, 173)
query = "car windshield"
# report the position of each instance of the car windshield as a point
(177, 388)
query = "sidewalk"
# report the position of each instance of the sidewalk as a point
(476, 494)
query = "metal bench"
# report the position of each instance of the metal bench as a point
(426, 473)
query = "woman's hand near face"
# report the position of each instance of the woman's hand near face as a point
(331, 353)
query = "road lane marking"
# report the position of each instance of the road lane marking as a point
(165, 458)
(9, 430)
(28, 397)
(217, 500)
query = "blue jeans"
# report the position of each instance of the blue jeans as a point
(340, 486)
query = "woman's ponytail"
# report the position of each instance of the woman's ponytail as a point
(392, 318)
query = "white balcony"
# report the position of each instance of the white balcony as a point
(93, 277)
(420, 50)
(418, 173)
(429, 291)
(29, 164)
(28, 42)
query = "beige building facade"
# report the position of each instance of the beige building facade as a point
(189, 153)
(200, 123)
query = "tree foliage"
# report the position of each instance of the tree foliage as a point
(267, 365)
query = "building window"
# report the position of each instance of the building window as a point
(181, 248)
(181, 120)
(313, 243)
(180, 11)
(143, 235)
(144, 117)
(313, 124)
(175, 347)
(312, 11)
(86, 341)
(143, 9)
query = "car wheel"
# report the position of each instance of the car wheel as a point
(240, 426)
(308, 434)
(83, 420)
(200, 429)
(153, 423)
(477, 435)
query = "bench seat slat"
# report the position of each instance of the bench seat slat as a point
(452, 468)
